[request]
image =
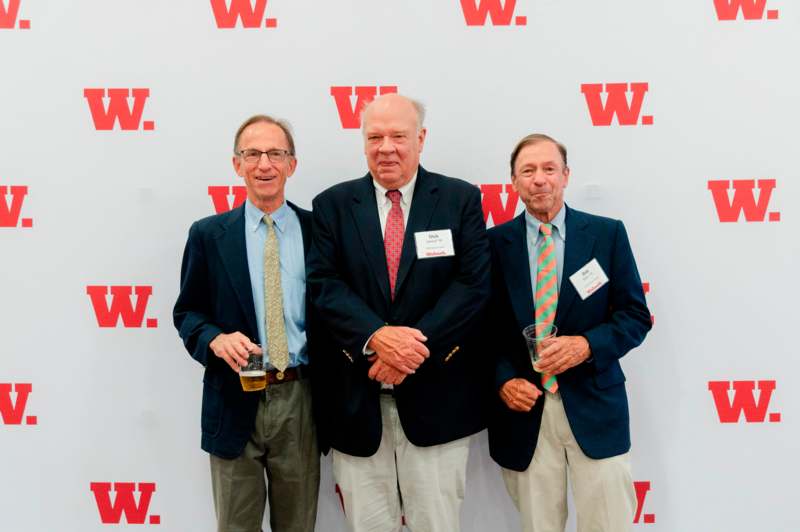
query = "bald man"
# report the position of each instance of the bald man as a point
(399, 270)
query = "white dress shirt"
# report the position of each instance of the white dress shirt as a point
(385, 204)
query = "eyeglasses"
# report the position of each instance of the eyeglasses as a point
(252, 156)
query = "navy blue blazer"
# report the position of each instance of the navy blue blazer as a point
(216, 297)
(444, 297)
(614, 320)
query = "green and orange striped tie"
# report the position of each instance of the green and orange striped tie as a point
(545, 299)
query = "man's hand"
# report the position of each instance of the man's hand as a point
(234, 349)
(519, 394)
(382, 372)
(562, 353)
(400, 347)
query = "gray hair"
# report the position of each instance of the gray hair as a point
(283, 124)
(419, 107)
(536, 138)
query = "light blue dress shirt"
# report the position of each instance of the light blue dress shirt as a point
(534, 239)
(293, 275)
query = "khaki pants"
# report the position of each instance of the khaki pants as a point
(423, 484)
(605, 499)
(284, 446)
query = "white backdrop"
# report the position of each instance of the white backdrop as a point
(85, 404)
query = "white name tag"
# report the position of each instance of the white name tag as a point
(431, 244)
(588, 279)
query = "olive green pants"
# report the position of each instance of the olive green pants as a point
(284, 446)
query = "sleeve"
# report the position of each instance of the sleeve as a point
(191, 314)
(347, 317)
(629, 317)
(499, 334)
(459, 310)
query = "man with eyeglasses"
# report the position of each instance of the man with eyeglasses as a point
(243, 292)
(399, 271)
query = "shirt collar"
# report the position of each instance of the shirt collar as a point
(532, 223)
(255, 216)
(406, 190)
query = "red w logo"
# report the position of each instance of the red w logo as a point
(9, 213)
(616, 103)
(744, 400)
(12, 411)
(124, 502)
(642, 487)
(220, 196)
(751, 9)
(492, 203)
(8, 16)
(646, 290)
(349, 115)
(118, 108)
(121, 305)
(475, 12)
(250, 15)
(744, 199)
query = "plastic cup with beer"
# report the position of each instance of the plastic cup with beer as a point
(537, 336)
(253, 376)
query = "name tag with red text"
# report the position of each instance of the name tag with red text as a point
(432, 244)
(588, 279)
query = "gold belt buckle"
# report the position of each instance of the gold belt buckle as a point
(279, 375)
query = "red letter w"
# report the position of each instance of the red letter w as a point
(349, 115)
(12, 411)
(9, 214)
(751, 9)
(642, 487)
(743, 200)
(729, 411)
(118, 108)
(493, 203)
(475, 14)
(121, 305)
(8, 16)
(228, 16)
(124, 502)
(219, 196)
(616, 103)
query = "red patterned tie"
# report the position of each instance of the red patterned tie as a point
(393, 237)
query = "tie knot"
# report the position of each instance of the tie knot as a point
(394, 196)
(546, 229)
(268, 220)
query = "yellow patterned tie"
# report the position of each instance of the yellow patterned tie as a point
(277, 346)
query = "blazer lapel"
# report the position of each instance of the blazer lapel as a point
(305, 227)
(423, 204)
(517, 271)
(233, 253)
(578, 248)
(368, 225)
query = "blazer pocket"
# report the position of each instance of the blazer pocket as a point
(213, 402)
(610, 377)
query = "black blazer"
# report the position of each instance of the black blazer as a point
(444, 297)
(216, 297)
(614, 320)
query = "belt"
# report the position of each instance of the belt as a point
(387, 391)
(289, 374)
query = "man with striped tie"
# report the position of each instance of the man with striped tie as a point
(568, 416)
